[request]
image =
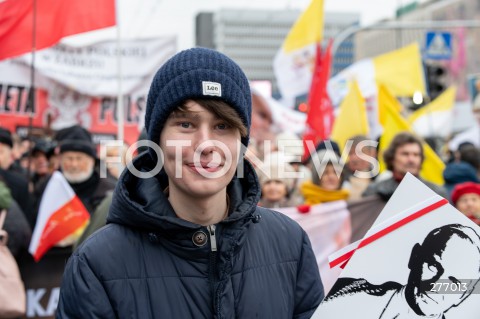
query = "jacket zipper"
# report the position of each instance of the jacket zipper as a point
(213, 264)
(213, 240)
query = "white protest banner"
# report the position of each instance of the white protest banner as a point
(328, 228)
(93, 70)
(421, 259)
(16, 73)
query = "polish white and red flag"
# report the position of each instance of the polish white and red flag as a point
(61, 216)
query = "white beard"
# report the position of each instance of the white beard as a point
(76, 178)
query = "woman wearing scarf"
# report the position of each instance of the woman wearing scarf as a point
(327, 179)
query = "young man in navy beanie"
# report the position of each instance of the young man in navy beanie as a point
(188, 240)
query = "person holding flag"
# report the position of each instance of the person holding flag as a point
(69, 197)
(184, 236)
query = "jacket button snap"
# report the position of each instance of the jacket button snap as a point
(199, 238)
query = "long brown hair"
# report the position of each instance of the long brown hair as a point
(399, 140)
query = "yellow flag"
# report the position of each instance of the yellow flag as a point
(352, 117)
(432, 167)
(386, 98)
(307, 29)
(401, 71)
(435, 119)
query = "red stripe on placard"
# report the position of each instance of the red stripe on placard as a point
(346, 257)
(342, 259)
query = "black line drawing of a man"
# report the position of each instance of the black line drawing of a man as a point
(449, 255)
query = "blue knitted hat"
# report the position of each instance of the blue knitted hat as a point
(196, 73)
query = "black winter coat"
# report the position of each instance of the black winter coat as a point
(18, 229)
(18, 185)
(145, 264)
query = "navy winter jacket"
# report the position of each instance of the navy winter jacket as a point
(147, 263)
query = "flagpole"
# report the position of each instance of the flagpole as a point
(120, 106)
(31, 96)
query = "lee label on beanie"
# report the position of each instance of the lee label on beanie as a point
(212, 88)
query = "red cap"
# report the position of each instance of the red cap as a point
(464, 188)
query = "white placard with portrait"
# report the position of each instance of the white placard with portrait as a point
(421, 259)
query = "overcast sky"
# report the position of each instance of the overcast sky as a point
(145, 18)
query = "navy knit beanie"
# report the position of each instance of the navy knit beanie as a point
(196, 73)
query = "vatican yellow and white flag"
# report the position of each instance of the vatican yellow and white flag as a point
(294, 63)
(400, 71)
(435, 119)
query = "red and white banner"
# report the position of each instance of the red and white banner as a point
(53, 20)
(61, 215)
(62, 107)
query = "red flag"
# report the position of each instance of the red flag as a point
(320, 112)
(55, 19)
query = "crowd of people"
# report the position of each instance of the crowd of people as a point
(168, 220)
(286, 178)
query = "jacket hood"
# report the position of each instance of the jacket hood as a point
(141, 202)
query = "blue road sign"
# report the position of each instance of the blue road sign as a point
(438, 45)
